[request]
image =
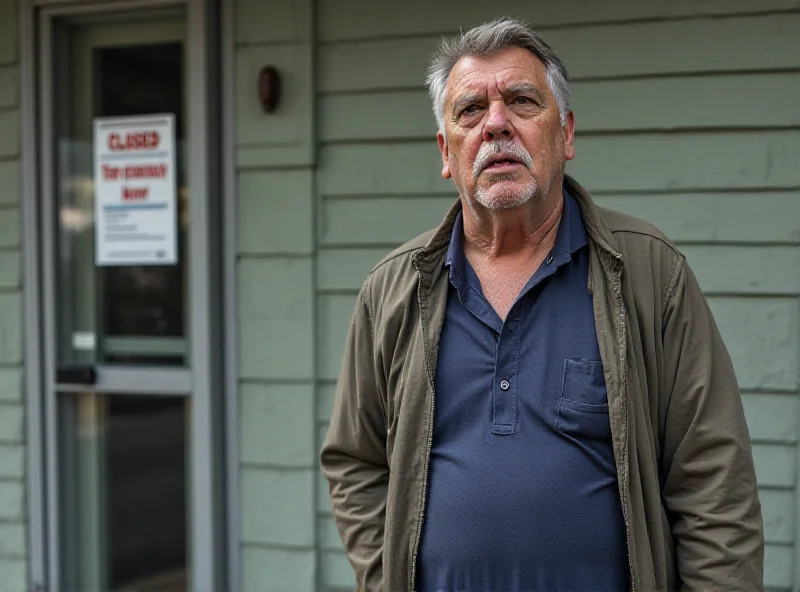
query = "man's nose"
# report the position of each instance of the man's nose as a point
(498, 125)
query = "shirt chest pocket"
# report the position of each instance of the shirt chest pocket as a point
(582, 408)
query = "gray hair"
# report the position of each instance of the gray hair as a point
(487, 40)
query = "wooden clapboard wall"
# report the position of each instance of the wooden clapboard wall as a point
(13, 521)
(687, 116)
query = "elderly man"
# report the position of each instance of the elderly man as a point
(534, 395)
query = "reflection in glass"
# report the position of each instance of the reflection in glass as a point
(123, 461)
(125, 312)
(143, 300)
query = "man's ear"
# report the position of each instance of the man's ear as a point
(443, 148)
(569, 136)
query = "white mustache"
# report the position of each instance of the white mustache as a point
(490, 149)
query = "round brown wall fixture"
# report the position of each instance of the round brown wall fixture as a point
(269, 88)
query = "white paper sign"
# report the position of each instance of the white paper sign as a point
(135, 191)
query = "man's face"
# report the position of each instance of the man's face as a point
(504, 141)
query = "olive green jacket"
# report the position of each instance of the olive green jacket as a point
(684, 462)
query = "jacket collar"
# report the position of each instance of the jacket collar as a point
(433, 252)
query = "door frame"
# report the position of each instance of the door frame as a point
(210, 441)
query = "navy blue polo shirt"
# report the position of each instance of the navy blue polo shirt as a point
(523, 486)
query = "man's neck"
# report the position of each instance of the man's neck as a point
(523, 232)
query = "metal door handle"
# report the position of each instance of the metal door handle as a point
(76, 374)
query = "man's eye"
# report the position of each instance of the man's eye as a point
(469, 110)
(523, 101)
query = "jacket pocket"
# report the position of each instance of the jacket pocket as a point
(582, 409)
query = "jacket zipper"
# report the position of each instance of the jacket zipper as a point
(424, 497)
(624, 496)
(628, 541)
(428, 447)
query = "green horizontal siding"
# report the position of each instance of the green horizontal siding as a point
(615, 163)
(761, 218)
(602, 51)
(278, 22)
(9, 133)
(277, 425)
(275, 212)
(9, 86)
(9, 36)
(277, 507)
(699, 137)
(13, 540)
(275, 157)
(664, 132)
(341, 20)
(279, 569)
(674, 103)
(276, 298)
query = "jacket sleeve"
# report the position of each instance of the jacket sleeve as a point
(353, 455)
(709, 482)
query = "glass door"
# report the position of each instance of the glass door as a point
(128, 79)
(123, 459)
(125, 501)
(129, 304)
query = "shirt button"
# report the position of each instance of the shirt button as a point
(549, 260)
(504, 385)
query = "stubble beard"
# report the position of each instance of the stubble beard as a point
(504, 199)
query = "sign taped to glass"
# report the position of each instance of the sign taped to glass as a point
(135, 190)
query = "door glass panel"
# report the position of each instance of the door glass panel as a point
(121, 313)
(124, 470)
(123, 459)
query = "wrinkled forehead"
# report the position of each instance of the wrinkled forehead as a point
(510, 68)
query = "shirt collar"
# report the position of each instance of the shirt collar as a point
(571, 234)
(455, 258)
(571, 237)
